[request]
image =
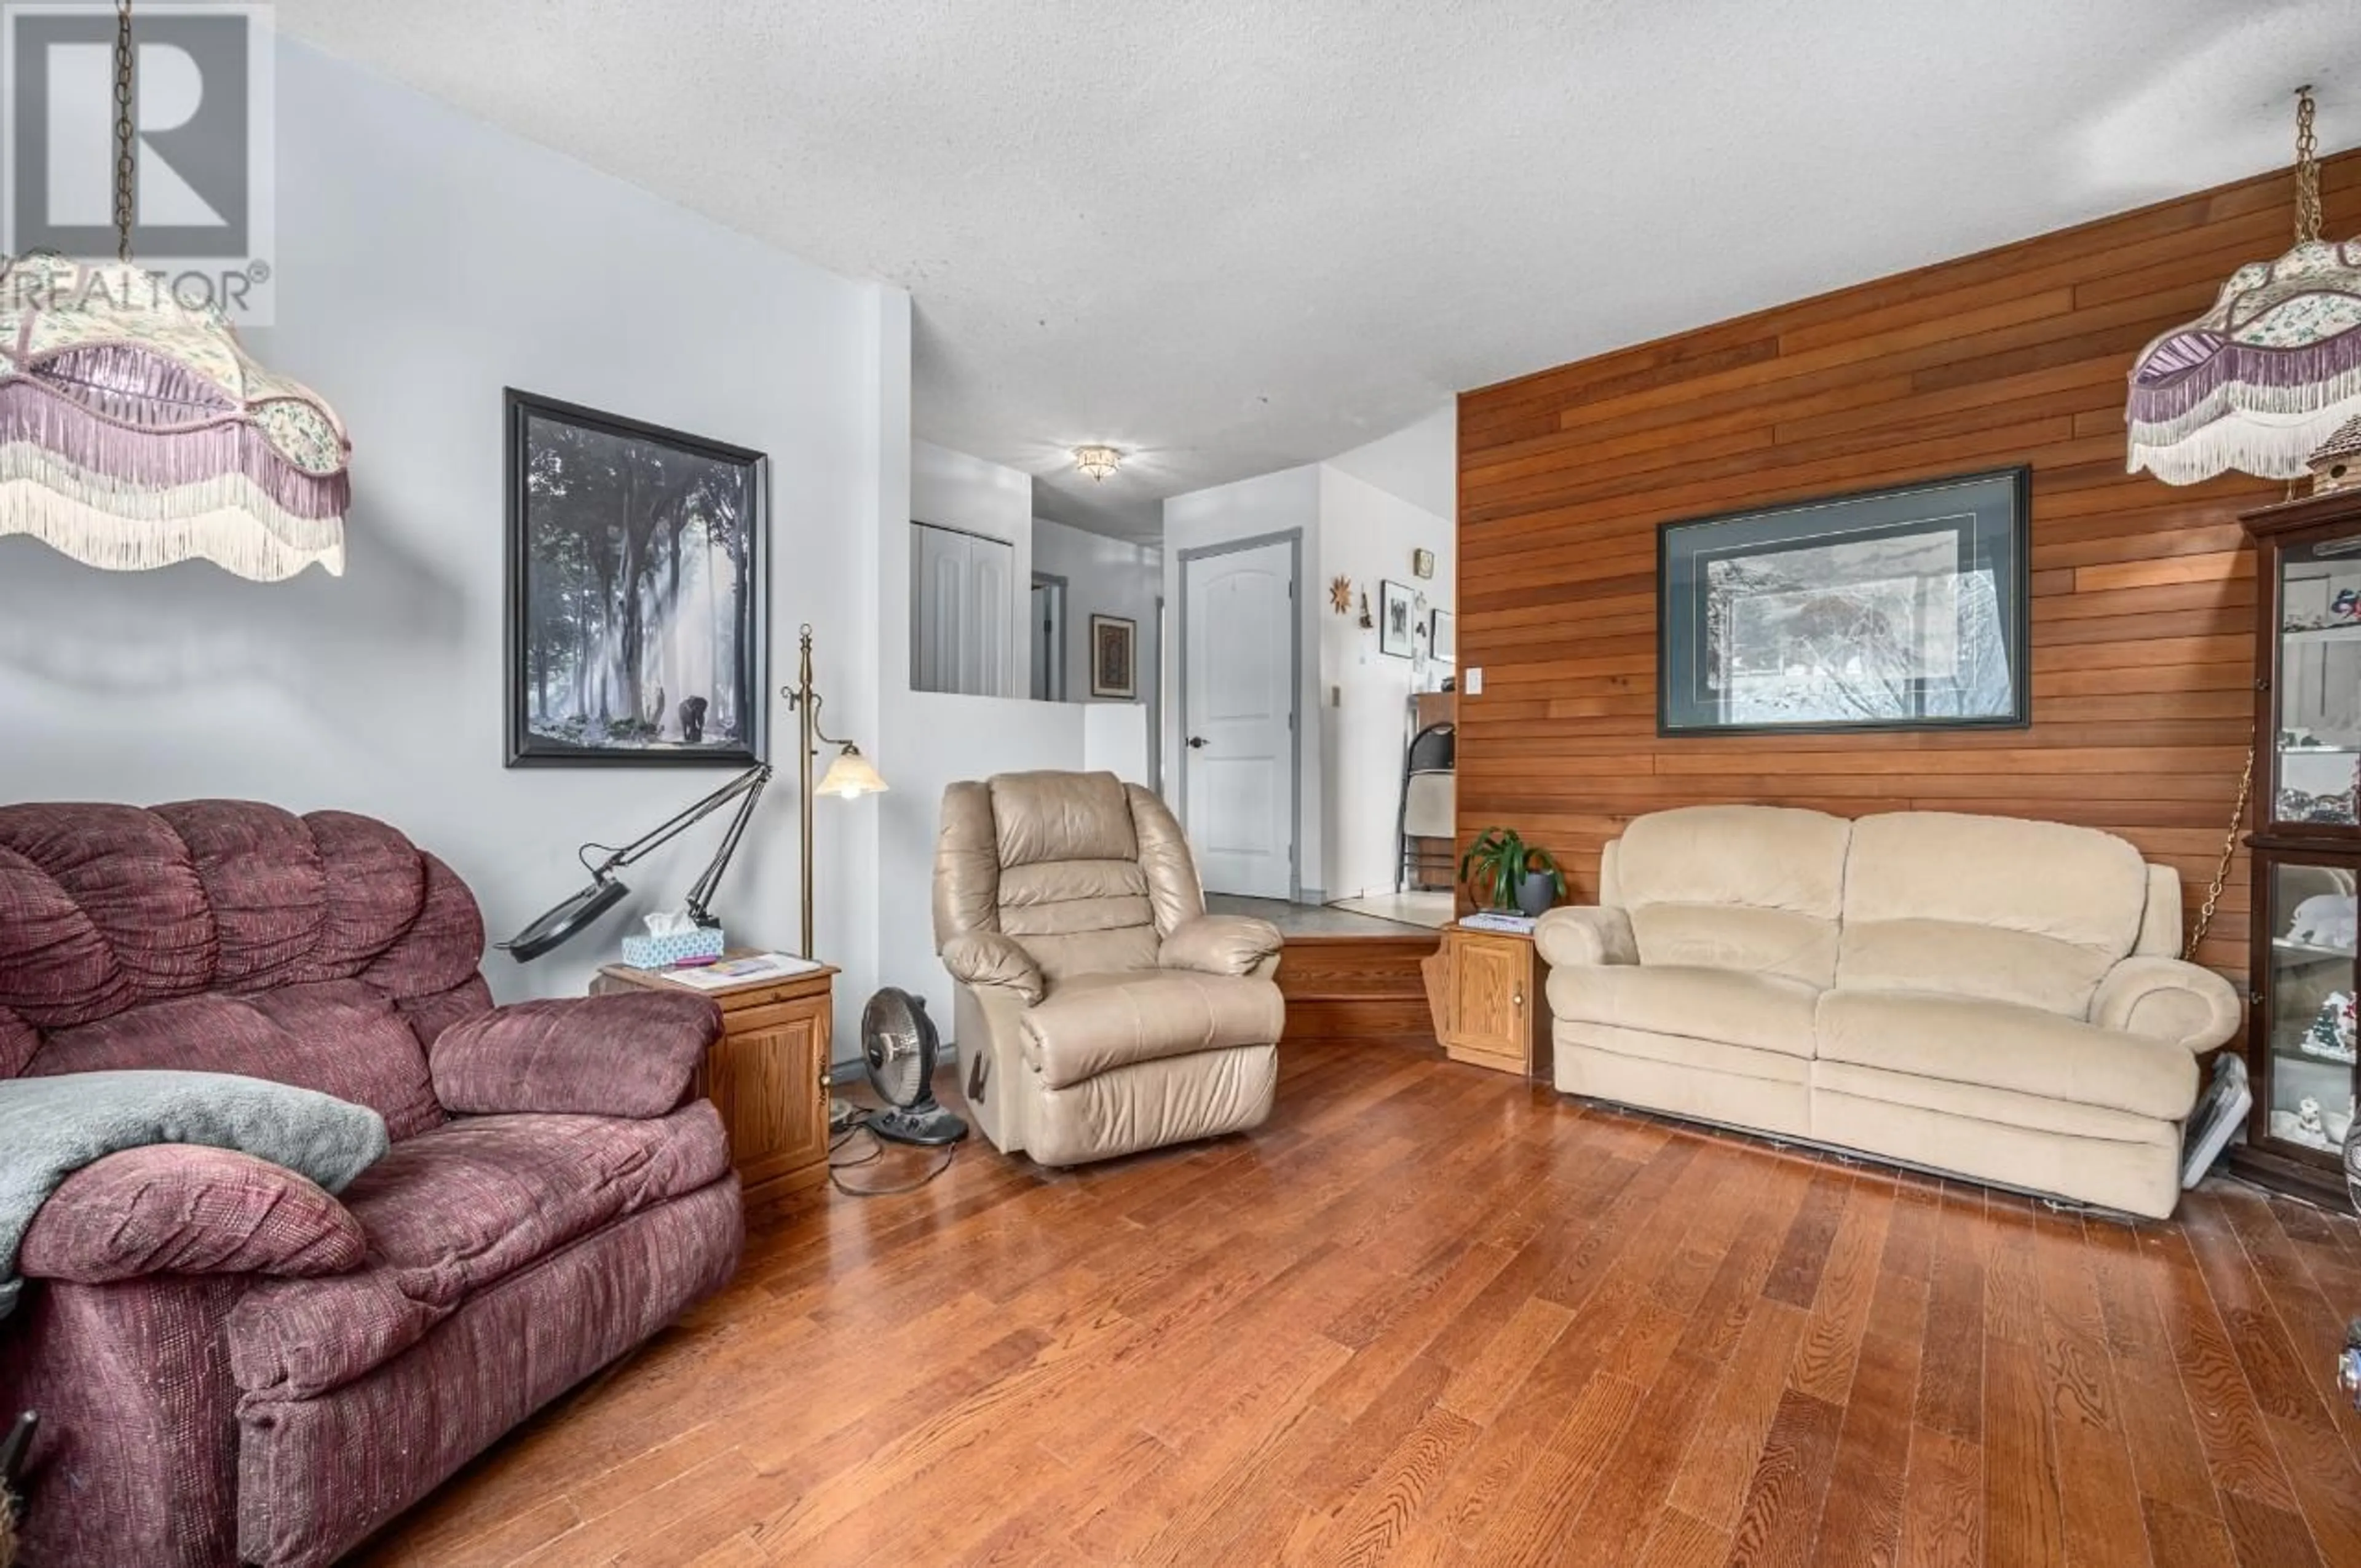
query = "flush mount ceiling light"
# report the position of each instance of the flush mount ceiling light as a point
(135, 432)
(1098, 462)
(2266, 375)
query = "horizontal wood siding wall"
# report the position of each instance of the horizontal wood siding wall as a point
(2143, 594)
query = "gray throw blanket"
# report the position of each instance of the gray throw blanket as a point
(51, 1127)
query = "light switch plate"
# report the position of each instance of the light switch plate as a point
(1473, 680)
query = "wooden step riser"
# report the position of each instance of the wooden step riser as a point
(1357, 987)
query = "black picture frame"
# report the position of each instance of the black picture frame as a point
(1869, 644)
(1397, 627)
(1442, 637)
(718, 491)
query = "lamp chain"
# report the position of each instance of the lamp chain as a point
(2222, 867)
(125, 159)
(2306, 171)
(2307, 228)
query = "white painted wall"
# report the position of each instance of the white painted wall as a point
(1370, 534)
(1284, 502)
(931, 739)
(426, 261)
(1116, 740)
(1361, 515)
(1119, 577)
(1417, 463)
(1104, 576)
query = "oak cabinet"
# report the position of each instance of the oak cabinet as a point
(1486, 990)
(767, 1075)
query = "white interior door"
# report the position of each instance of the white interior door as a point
(1238, 708)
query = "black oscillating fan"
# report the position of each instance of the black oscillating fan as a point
(899, 1041)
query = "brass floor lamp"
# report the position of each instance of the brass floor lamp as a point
(849, 777)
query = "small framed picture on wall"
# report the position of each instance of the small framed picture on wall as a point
(1442, 637)
(1398, 621)
(1113, 646)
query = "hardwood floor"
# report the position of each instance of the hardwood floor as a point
(1433, 1315)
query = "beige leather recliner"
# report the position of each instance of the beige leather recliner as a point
(1101, 1011)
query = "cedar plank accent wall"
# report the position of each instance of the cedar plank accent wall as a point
(2143, 594)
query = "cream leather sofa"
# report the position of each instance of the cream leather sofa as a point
(1100, 1009)
(1981, 995)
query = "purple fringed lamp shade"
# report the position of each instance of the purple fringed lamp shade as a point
(2270, 372)
(2262, 379)
(135, 432)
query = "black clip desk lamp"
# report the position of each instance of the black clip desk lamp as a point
(848, 777)
(569, 919)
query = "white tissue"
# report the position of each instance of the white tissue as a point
(670, 923)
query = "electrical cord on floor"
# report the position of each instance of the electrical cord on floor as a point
(877, 1152)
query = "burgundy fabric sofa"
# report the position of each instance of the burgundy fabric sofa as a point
(554, 1196)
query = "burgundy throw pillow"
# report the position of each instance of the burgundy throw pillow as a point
(182, 1209)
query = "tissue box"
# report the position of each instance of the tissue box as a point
(678, 948)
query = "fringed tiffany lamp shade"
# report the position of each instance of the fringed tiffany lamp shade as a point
(2256, 383)
(135, 432)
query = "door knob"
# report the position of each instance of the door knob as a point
(1196, 742)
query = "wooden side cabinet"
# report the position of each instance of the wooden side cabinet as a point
(767, 1075)
(1485, 990)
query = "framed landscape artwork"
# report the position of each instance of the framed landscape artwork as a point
(1113, 671)
(1902, 609)
(635, 613)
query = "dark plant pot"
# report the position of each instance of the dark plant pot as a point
(1536, 894)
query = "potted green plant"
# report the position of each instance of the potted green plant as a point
(1504, 872)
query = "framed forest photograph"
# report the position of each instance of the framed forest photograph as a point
(1902, 609)
(636, 592)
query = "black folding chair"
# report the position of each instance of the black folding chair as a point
(1430, 805)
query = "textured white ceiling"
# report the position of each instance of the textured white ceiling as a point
(1229, 237)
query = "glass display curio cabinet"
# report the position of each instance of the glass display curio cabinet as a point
(2307, 840)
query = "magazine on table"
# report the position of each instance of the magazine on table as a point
(724, 973)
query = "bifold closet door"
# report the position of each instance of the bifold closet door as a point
(962, 612)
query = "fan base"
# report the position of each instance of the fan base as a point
(925, 1123)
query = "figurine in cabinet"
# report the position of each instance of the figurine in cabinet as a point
(2326, 920)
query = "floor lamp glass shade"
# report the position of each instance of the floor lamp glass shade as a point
(851, 776)
(136, 431)
(2260, 380)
